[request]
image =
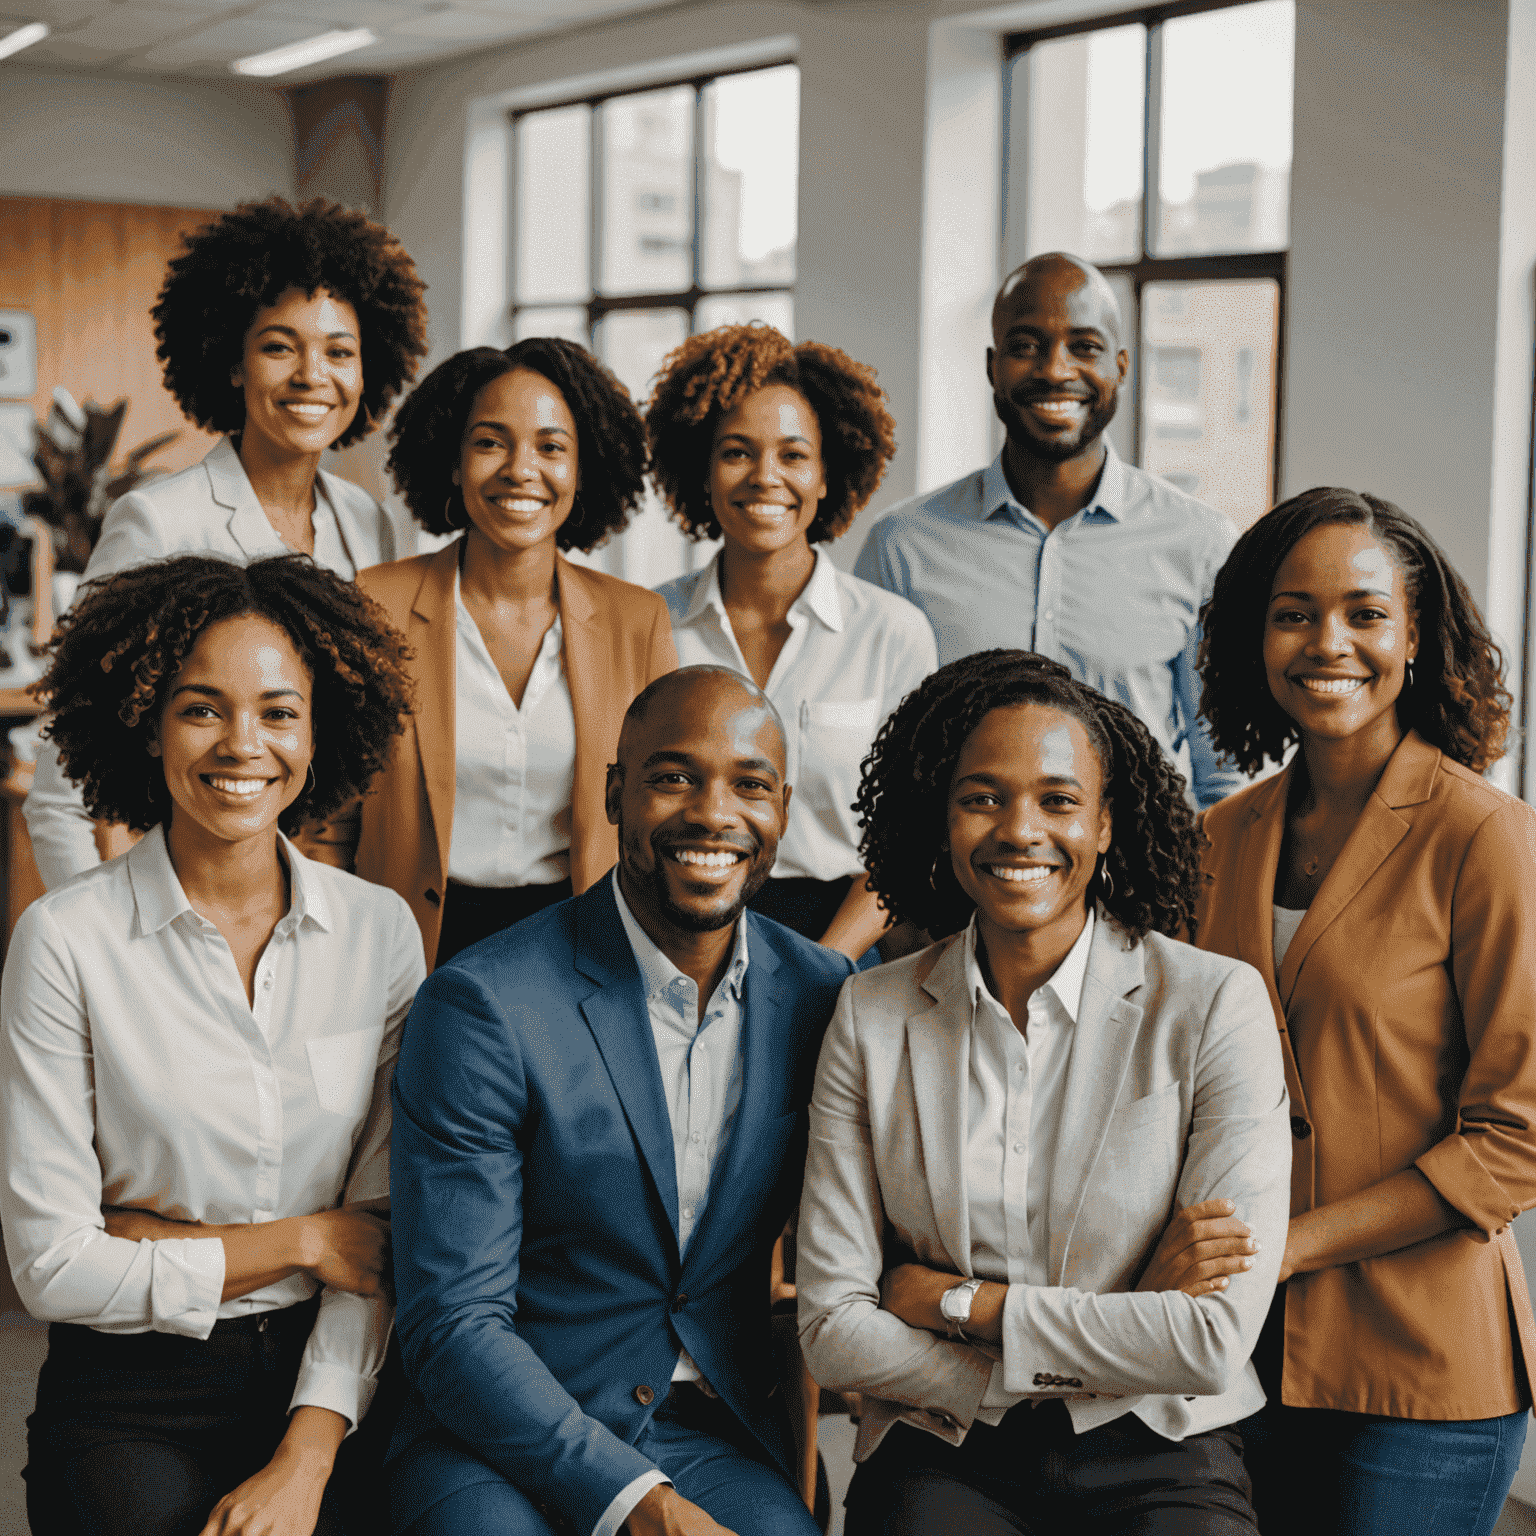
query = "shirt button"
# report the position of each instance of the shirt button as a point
(1050, 614)
(1018, 1146)
(688, 1212)
(268, 983)
(695, 1137)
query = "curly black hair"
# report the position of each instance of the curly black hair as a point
(244, 261)
(903, 802)
(708, 376)
(1457, 701)
(120, 647)
(429, 427)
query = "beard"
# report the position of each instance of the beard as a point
(1054, 450)
(690, 919)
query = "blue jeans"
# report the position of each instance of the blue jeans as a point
(1322, 1472)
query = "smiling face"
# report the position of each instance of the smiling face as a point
(1056, 363)
(1028, 821)
(518, 469)
(766, 478)
(301, 371)
(234, 735)
(1338, 634)
(699, 798)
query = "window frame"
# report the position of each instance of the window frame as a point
(599, 305)
(1148, 268)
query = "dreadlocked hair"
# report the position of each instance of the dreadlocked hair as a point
(428, 432)
(244, 261)
(118, 651)
(707, 377)
(903, 800)
(1457, 701)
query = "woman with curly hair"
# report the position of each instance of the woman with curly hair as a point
(491, 806)
(1383, 889)
(196, 1046)
(1003, 1124)
(289, 330)
(773, 448)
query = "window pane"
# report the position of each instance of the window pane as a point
(553, 159)
(1225, 162)
(634, 341)
(1208, 390)
(778, 309)
(1122, 430)
(751, 174)
(570, 323)
(647, 192)
(1083, 108)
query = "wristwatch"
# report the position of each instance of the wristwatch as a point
(955, 1306)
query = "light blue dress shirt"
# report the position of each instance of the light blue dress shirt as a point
(1113, 593)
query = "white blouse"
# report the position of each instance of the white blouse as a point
(135, 1072)
(514, 767)
(853, 653)
(1287, 921)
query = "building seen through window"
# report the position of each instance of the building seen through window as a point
(1160, 149)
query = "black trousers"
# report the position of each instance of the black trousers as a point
(1031, 1475)
(142, 1434)
(475, 912)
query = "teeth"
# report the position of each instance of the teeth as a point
(1058, 407)
(706, 860)
(246, 787)
(519, 504)
(1331, 685)
(307, 409)
(765, 509)
(1031, 876)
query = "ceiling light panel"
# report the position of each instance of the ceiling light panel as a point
(309, 50)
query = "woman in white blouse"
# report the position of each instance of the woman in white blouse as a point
(491, 806)
(774, 448)
(290, 330)
(196, 1046)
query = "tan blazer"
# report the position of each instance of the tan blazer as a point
(617, 638)
(1174, 1094)
(1407, 1014)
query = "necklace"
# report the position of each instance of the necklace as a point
(1309, 869)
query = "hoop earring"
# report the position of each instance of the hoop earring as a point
(933, 872)
(1408, 668)
(1105, 879)
(309, 782)
(448, 514)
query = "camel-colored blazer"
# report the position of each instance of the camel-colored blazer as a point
(1407, 1015)
(617, 638)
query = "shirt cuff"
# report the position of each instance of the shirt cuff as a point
(186, 1284)
(1461, 1180)
(625, 1500)
(324, 1384)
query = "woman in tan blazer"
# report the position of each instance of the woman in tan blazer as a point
(491, 806)
(1383, 889)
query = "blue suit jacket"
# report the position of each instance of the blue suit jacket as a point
(542, 1300)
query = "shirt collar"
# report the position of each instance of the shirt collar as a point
(819, 596)
(657, 973)
(159, 900)
(1066, 981)
(1109, 495)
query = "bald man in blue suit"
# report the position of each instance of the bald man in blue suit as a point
(599, 1133)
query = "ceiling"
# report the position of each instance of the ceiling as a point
(201, 37)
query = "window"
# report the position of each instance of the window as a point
(1157, 144)
(642, 217)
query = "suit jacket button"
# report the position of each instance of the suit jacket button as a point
(1040, 1379)
(1076, 1382)
(433, 897)
(680, 1301)
(1299, 1128)
(644, 1395)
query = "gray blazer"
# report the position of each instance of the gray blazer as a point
(1174, 1094)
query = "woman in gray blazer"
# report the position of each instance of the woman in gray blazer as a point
(289, 330)
(1049, 1156)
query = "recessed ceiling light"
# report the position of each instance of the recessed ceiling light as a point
(279, 61)
(22, 37)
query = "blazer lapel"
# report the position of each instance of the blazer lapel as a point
(1255, 922)
(1101, 1055)
(620, 1024)
(588, 674)
(939, 1048)
(231, 488)
(433, 636)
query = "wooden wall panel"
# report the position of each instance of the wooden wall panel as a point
(89, 272)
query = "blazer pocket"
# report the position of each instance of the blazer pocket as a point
(343, 1068)
(1155, 1107)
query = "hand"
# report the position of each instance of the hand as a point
(283, 1499)
(665, 1512)
(145, 1226)
(345, 1249)
(1199, 1250)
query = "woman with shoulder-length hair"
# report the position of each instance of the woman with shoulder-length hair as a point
(1382, 887)
(289, 330)
(196, 1047)
(1004, 1125)
(774, 448)
(491, 806)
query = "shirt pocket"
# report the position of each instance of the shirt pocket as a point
(343, 1068)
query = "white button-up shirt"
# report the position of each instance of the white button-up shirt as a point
(514, 766)
(1013, 1117)
(853, 653)
(135, 1072)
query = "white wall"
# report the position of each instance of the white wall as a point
(182, 144)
